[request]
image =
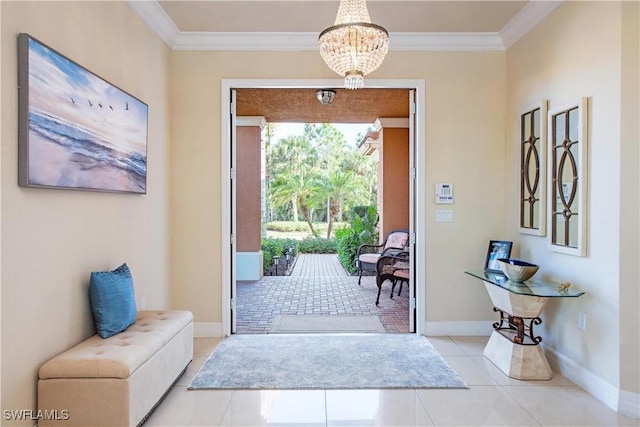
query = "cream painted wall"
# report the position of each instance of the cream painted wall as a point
(576, 52)
(53, 239)
(465, 110)
(630, 206)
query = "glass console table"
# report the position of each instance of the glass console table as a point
(513, 346)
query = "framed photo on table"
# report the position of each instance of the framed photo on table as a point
(497, 249)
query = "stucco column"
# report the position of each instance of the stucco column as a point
(393, 174)
(249, 197)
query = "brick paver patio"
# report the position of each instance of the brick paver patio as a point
(318, 285)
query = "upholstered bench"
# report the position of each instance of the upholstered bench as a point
(119, 380)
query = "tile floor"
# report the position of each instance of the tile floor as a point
(493, 399)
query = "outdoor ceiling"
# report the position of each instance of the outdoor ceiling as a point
(314, 16)
(302, 105)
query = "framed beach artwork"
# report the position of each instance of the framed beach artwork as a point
(76, 130)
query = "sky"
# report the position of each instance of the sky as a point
(350, 130)
(62, 89)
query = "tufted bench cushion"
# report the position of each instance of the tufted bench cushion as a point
(118, 381)
(120, 355)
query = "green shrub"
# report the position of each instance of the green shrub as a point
(287, 226)
(300, 227)
(317, 245)
(276, 247)
(360, 230)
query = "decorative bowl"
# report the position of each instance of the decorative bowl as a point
(516, 270)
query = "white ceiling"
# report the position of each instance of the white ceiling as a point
(295, 24)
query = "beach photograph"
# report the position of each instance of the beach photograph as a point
(83, 132)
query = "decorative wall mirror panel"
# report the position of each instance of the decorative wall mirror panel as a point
(568, 142)
(533, 155)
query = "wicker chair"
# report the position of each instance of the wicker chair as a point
(368, 255)
(395, 268)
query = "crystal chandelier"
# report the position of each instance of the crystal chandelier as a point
(353, 46)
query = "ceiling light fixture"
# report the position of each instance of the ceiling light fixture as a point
(325, 96)
(353, 47)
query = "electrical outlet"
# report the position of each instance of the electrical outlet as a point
(143, 303)
(582, 321)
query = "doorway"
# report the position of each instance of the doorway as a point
(416, 88)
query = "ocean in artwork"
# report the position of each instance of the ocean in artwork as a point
(87, 153)
(84, 133)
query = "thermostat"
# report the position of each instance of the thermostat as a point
(444, 193)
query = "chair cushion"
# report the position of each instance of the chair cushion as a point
(369, 258)
(397, 240)
(112, 300)
(401, 274)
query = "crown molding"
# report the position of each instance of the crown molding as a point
(158, 20)
(309, 41)
(246, 41)
(525, 20)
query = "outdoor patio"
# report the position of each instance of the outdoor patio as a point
(318, 285)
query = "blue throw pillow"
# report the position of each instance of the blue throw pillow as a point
(113, 302)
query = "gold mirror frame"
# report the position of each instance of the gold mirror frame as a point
(533, 159)
(568, 148)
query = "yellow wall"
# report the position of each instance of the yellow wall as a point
(465, 100)
(53, 239)
(574, 53)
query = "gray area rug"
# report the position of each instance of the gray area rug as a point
(310, 323)
(325, 361)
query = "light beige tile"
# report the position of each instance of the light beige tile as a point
(469, 371)
(476, 406)
(503, 379)
(192, 370)
(276, 408)
(472, 346)
(204, 346)
(567, 406)
(375, 408)
(182, 407)
(446, 346)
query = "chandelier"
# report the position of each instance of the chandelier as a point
(353, 46)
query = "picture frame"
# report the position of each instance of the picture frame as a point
(568, 182)
(532, 124)
(76, 130)
(497, 249)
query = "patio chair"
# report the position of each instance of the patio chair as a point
(368, 255)
(394, 267)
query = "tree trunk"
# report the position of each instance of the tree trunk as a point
(294, 208)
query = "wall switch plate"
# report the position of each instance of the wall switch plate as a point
(444, 216)
(582, 321)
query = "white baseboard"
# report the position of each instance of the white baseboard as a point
(626, 403)
(458, 329)
(207, 330)
(629, 404)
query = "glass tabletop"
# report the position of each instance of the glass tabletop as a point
(534, 286)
